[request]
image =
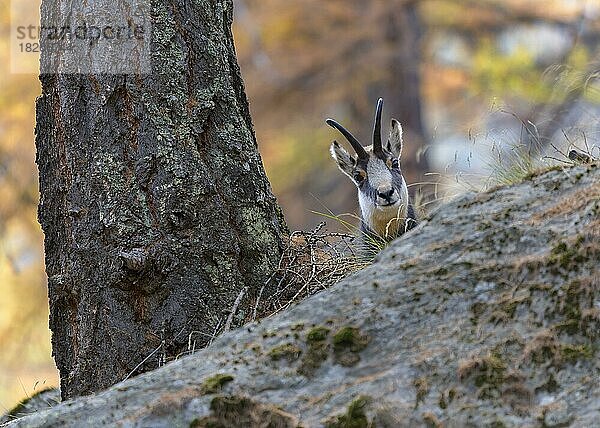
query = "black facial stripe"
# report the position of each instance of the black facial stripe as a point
(368, 190)
(397, 180)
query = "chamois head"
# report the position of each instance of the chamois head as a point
(375, 170)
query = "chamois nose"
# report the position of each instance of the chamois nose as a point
(386, 194)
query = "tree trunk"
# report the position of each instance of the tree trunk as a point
(155, 206)
(403, 34)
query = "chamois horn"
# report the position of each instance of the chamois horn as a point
(377, 143)
(358, 148)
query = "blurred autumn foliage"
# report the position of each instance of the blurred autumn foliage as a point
(24, 336)
(447, 70)
(444, 67)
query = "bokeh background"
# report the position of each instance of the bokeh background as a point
(476, 83)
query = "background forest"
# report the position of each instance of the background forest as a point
(476, 83)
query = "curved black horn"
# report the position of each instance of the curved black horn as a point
(358, 148)
(377, 147)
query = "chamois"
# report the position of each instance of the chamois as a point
(386, 211)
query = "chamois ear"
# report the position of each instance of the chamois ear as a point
(394, 144)
(343, 159)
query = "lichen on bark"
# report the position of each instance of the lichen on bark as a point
(161, 166)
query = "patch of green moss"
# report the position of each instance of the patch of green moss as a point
(317, 334)
(355, 416)
(488, 374)
(506, 309)
(566, 257)
(347, 343)
(350, 337)
(228, 411)
(215, 384)
(510, 307)
(569, 326)
(287, 351)
(543, 350)
(571, 308)
(317, 352)
(574, 353)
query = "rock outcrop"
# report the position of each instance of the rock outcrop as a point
(488, 314)
(40, 400)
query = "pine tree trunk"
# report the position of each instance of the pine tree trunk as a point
(155, 206)
(404, 31)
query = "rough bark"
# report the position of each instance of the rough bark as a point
(154, 203)
(487, 314)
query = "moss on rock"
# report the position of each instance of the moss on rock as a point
(355, 416)
(287, 351)
(229, 411)
(317, 352)
(215, 384)
(573, 353)
(317, 334)
(347, 343)
(487, 373)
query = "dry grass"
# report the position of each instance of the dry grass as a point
(488, 366)
(590, 323)
(574, 203)
(543, 347)
(316, 260)
(312, 262)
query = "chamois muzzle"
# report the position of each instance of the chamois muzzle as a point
(387, 195)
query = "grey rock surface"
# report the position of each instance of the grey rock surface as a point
(41, 400)
(487, 314)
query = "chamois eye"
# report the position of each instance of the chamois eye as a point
(359, 176)
(395, 164)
